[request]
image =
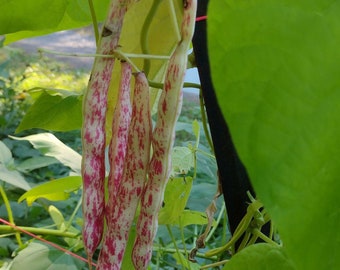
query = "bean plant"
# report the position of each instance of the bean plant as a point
(273, 73)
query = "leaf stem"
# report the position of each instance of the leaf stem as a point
(206, 154)
(69, 222)
(116, 54)
(173, 250)
(183, 240)
(94, 21)
(174, 19)
(10, 214)
(210, 266)
(174, 242)
(264, 237)
(38, 231)
(185, 85)
(145, 34)
(205, 122)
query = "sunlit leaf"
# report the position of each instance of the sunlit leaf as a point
(175, 198)
(275, 67)
(8, 172)
(13, 177)
(55, 190)
(62, 225)
(189, 217)
(5, 154)
(50, 145)
(56, 216)
(182, 160)
(53, 112)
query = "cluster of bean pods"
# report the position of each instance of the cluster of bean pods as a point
(121, 207)
(169, 108)
(133, 178)
(93, 130)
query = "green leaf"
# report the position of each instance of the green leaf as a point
(50, 145)
(189, 217)
(23, 19)
(39, 256)
(59, 221)
(8, 173)
(175, 198)
(260, 257)
(13, 177)
(5, 154)
(33, 163)
(275, 67)
(55, 190)
(19, 14)
(56, 215)
(182, 160)
(53, 112)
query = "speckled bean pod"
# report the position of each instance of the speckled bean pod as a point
(134, 175)
(169, 108)
(93, 129)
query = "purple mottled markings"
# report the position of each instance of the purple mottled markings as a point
(93, 130)
(122, 205)
(169, 108)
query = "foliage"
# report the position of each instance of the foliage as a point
(52, 202)
(42, 17)
(278, 87)
(280, 67)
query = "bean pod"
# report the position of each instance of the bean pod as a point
(125, 202)
(118, 144)
(169, 108)
(93, 129)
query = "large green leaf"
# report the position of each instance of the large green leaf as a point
(5, 154)
(22, 15)
(50, 145)
(275, 67)
(175, 199)
(13, 177)
(39, 256)
(55, 190)
(21, 19)
(54, 112)
(33, 163)
(8, 171)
